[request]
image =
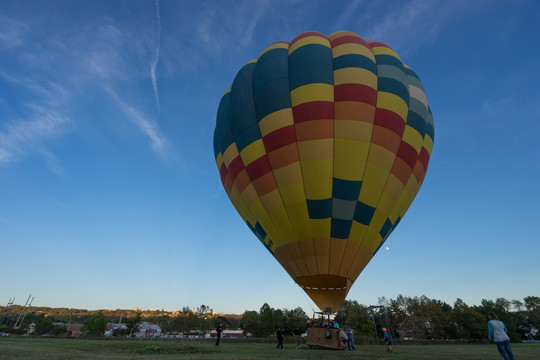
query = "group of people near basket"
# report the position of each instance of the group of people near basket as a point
(497, 331)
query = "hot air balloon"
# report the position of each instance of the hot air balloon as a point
(322, 144)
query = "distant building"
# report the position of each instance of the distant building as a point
(74, 330)
(227, 334)
(111, 327)
(147, 330)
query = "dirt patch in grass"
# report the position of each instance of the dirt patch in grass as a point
(170, 349)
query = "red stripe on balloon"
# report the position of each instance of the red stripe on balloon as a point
(373, 44)
(308, 33)
(390, 120)
(315, 110)
(355, 92)
(424, 157)
(235, 167)
(408, 154)
(279, 138)
(258, 168)
(347, 39)
(223, 172)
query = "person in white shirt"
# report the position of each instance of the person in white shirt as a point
(498, 331)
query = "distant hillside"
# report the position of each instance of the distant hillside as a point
(9, 315)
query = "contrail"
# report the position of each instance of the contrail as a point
(154, 63)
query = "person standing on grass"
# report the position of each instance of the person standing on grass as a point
(498, 331)
(352, 345)
(387, 340)
(296, 334)
(219, 330)
(279, 335)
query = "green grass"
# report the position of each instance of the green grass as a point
(62, 349)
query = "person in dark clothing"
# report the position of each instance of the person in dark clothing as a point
(296, 334)
(279, 335)
(219, 330)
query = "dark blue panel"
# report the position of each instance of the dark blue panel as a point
(410, 72)
(223, 127)
(310, 64)
(341, 228)
(272, 97)
(271, 82)
(429, 128)
(259, 231)
(261, 235)
(388, 60)
(272, 65)
(394, 87)
(346, 189)
(355, 61)
(245, 138)
(217, 148)
(416, 122)
(364, 213)
(319, 209)
(386, 229)
(242, 107)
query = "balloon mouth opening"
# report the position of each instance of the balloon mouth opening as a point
(319, 288)
(326, 291)
(323, 282)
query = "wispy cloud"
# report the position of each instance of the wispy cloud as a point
(153, 65)
(19, 138)
(248, 35)
(350, 13)
(148, 127)
(11, 32)
(53, 75)
(406, 25)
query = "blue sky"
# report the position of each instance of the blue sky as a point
(109, 192)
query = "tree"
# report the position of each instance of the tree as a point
(164, 322)
(133, 323)
(357, 317)
(468, 323)
(95, 325)
(268, 322)
(44, 324)
(295, 318)
(250, 323)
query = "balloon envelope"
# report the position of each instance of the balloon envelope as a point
(322, 144)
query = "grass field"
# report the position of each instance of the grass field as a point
(63, 349)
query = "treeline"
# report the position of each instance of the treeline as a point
(424, 318)
(405, 317)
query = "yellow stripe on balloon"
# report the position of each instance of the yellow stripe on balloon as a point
(412, 137)
(373, 184)
(318, 169)
(309, 40)
(230, 154)
(393, 103)
(352, 48)
(312, 92)
(279, 45)
(355, 76)
(287, 175)
(252, 152)
(276, 120)
(383, 50)
(428, 144)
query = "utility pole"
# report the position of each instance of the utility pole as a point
(371, 308)
(4, 311)
(23, 312)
